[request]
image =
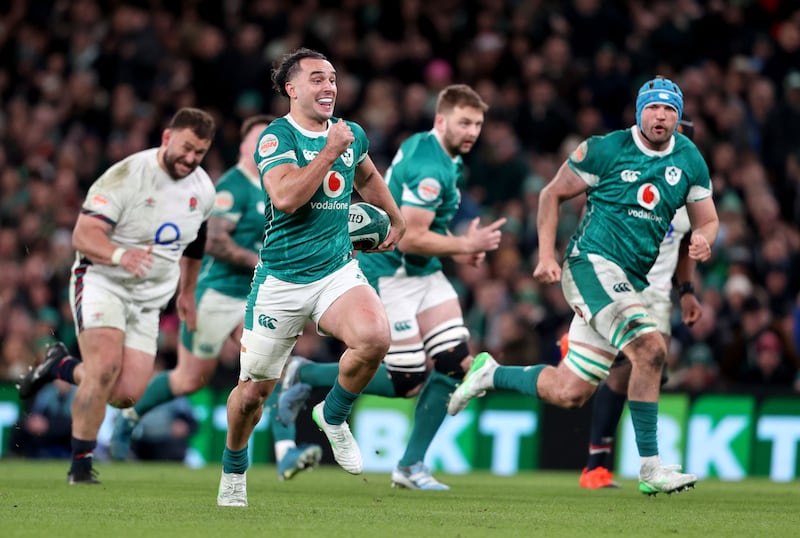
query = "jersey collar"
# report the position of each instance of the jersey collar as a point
(306, 132)
(637, 139)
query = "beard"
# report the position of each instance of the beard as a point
(170, 162)
(455, 146)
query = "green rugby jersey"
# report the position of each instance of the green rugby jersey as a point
(421, 175)
(633, 195)
(313, 242)
(239, 200)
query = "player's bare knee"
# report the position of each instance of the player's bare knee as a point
(370, 339)
(251, 396)
(657, 358)
(188, 380)
(647, 352)
(250, 405)
(377, 348)
(189, 384)
(572, 398)
(107, 376)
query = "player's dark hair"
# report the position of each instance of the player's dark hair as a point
(252, 121)
(458, 95)
(288, 65)
(199, 121)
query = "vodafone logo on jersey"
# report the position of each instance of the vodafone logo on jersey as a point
(648, 196)
(333, 184)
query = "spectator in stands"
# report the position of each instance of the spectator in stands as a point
(771, 362)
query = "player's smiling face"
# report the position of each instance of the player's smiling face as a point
(460, 129)
(658, 123)
(313, 90)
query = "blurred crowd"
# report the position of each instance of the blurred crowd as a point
(84, 83)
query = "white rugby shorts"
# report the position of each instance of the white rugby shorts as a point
(277, 314)
(97, 301)
(218, 315)
(405, 297)
(609, 313)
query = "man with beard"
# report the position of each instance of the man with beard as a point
(634, 179)
(423, 308)
(673, 264)
(140, 236)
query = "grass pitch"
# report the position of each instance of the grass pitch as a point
(150, 500)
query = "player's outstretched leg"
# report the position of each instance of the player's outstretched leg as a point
(478, 380)
(36, 378)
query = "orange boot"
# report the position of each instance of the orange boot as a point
(597, 478)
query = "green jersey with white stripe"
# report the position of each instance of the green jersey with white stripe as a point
(421, 175)
(312, 242)
(633, 195)
(239, 200)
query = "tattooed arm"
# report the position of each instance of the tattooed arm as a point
(221, 246)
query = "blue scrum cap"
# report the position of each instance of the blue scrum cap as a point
(659, 90)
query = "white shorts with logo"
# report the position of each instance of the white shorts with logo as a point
(218, 315)
(277, 312)
(405, 297)
(610, 313)
(98, 301)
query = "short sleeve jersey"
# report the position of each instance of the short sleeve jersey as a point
(421, 175)
(240, 201)
(632, 197)
(312, 242)
(146, 207)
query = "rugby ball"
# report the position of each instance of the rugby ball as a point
(368, 226)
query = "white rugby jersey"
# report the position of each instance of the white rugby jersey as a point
(146, 207)
(660, 275)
